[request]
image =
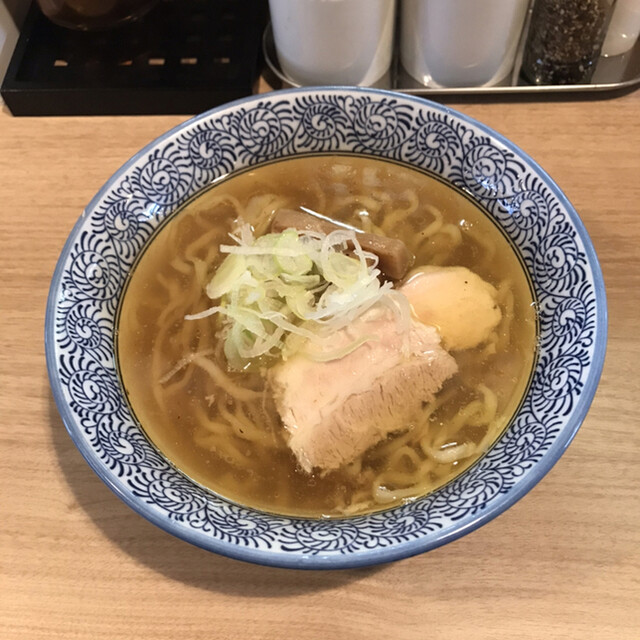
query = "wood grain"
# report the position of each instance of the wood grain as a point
(77, 563)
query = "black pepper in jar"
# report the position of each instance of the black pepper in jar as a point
(564, 40)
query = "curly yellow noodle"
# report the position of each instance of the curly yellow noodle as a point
(389, 445)
(369, 226)
(507, 302)
(220, 436)
(179, 385)
(382, 495)
(158, 359)
(223, 381)
(181, 364)
(223, 446)
(242, 427)
(369, 203)
(404, 456)
(181, 265)
(433, 227)
(212, 425)
(487, 246)
(398, 215)
(453, 231)
(452, 453)
(382, 196)
(407, 470)
(213, 254)
(490, 346)
(177, 296)
(320, 203)
(192, 250)
(259, 211)
(214, 202)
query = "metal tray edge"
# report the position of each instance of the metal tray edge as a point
(390, 81)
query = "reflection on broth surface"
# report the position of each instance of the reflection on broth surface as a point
(222, 426)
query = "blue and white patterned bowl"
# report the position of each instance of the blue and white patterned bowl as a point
(520, 196)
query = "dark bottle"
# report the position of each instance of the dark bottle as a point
(93, 14)
(564, 40)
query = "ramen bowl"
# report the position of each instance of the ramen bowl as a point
(513, 190)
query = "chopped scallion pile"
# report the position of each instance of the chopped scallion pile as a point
(279, 290)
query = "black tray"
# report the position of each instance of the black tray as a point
(183, 57)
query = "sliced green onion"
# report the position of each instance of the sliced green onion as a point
(278, 292)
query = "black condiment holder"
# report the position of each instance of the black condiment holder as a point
(183, 57)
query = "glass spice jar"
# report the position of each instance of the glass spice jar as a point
(564, 40)
(94, 14)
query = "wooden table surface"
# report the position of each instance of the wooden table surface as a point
(77, 563)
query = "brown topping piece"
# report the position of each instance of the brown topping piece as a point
(395, 258)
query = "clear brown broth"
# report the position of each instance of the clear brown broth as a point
(268, 478)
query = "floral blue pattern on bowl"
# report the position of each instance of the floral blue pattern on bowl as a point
(515, 191)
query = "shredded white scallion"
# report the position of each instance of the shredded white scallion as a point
(280, 290)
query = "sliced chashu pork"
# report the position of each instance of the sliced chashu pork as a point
(336, 410)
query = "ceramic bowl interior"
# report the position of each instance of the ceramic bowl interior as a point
(511, 187)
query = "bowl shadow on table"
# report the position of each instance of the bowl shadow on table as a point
(174, 558)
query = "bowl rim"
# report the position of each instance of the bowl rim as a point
(375, 555)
